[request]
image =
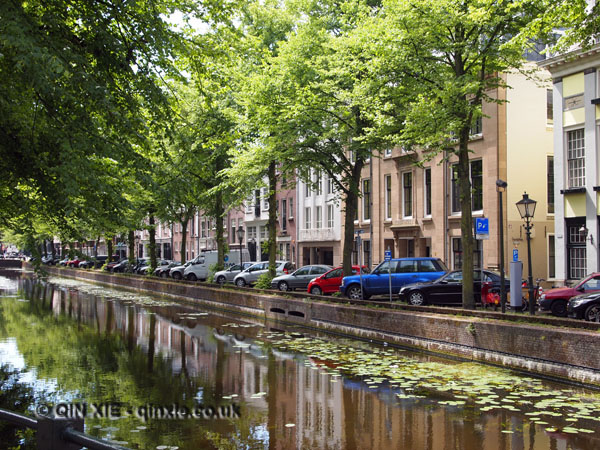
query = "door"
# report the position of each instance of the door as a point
(331, 282)
(300, 278)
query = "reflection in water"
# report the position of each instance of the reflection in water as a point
(91, 344)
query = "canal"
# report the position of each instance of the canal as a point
(151, 373)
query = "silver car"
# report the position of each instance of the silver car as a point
(300, 278)
(250, 275)
(227, 275)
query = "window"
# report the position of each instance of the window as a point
(476, 169)
(307, 221)
(549, 107)
(457, 253)
(387, 152)
(477, 185)
(367, 199)
(366, 245)
(203, 228)
(550, 184)
(330, 219)
(388, 197)
(233, 231)
(551, 257)
(263, 232)
(319, 181)
(265, 199)
(283, 214)
(307, 189)
(477, 123)
(318, 217)
(251, 233)
(330, 186)
(291, 202)
(334, 274)
(577, 262)
(576, 158)
(407, 204)
(427, 193)
(352, 156)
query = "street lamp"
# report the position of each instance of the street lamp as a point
(240, 235)
(526, 207)
(501, 185)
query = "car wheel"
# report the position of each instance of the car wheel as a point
(283, 286)
(240, 282)
(192, 277)
(559, 308)
(177, 276)
(416, 298)
(316, 290)
(353, 292)
(592, 313)
(221, 280)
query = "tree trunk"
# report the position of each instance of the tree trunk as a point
(272, 224)
(152, 237)
(184, 225)
(109, 247)
(351, 205)
(131, 242)
(96, 246)
(466, 221)
(219, 213)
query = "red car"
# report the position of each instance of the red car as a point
(555, 300)
(330, 282)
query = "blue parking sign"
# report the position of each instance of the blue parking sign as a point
(515, 254)
(388, 255)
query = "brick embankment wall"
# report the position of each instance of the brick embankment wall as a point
(10, 263)
(555, 351)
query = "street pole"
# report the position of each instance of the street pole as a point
(528, 227)
(501, 185)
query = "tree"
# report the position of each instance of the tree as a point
(440, 60)
(311, 101)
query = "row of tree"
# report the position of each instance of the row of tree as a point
(116, 114)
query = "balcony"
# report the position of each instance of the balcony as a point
(321, 234)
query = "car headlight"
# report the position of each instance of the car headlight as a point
(578, 301)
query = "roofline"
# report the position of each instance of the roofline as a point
(565, 63)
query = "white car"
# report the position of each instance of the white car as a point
(250, 275)
(227, 275)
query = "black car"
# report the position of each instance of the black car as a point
(163, 271)
(96, 262)
(447, 290)
(586, 306)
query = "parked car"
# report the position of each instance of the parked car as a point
(586, 306)
(111, 265)
(63, 262)
(250, 275)
(403, 271)
(146, 268)
(75, 262)
(330, 281)
(227, 275)
(300, 278)
(96, 262)
(447, 290)
(163, 271)
(555, 300)
(177, 272)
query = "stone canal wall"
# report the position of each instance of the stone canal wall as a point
(547, 347)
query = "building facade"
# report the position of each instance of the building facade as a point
(576, 112)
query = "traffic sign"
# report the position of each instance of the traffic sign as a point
(482, 228)
(388, 255)
(515, 254)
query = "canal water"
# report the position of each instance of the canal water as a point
(149, 373)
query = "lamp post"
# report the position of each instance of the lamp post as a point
(240, 235)
(526, 207)
(501, 186)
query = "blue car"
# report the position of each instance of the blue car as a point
(403, 271)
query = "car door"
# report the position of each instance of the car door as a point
(256, 271)
(315, 272)
(300, 278)
(331, 282)
(378, 281)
